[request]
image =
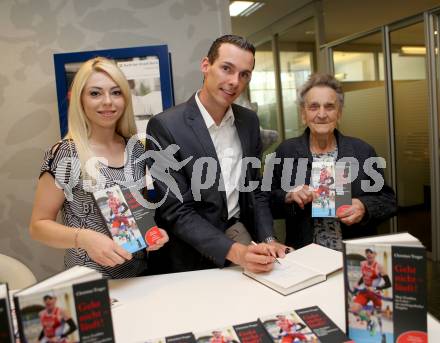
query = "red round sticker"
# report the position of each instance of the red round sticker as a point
(413, 337)
(152, 235)
(341, 209)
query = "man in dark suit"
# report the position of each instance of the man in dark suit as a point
(214, 216)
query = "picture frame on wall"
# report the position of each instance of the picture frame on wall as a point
(147, 69)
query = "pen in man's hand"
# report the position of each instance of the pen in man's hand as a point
(276, 260)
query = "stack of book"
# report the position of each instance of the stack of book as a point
(305, 325)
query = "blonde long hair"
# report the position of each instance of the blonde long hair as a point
(79, 125)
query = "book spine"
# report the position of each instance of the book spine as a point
(6, 333)
(409, 294)
(346, 286)
(19, 319)
(92, 305)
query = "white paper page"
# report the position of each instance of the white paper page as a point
(394, 238)
(3, 291)
(288, 273)
(317, 257)
(76, 274)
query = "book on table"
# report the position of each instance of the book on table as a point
(187, 337)
(130, 224)
(385, 289)
(309, 324)
(217, 335)
(6, 328)
(300, 269)
(72, 306)
(251, 332)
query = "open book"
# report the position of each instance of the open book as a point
(300, 269)
(73, 305)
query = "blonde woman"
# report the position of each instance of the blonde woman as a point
(94, 153)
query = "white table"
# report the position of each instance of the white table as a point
(164, 305)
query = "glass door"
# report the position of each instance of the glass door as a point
(296, 51)
(412, 131)
(433, 42)
(262, 93)
(358, 64)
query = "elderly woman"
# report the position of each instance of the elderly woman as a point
(321, 100)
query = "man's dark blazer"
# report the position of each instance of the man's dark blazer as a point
(379, 205)
(196, 228)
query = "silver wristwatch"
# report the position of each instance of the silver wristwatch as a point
(270, 239)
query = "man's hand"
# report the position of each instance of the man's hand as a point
(280, 249)
(353, 214)
(255, 258)
(302, 195)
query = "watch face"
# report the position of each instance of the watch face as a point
(269, 239)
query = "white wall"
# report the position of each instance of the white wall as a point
(30, 32)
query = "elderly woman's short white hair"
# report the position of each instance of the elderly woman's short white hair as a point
(320, 80)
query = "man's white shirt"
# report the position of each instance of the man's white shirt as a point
(229, 153)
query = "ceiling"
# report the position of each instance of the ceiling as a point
(341, 18)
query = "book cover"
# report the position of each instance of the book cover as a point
(156, 340)
(6, 329)
(223, 335)
(92, 304)
(187, 337)
(129, 223)
(331, 182)
(252, 332)
(323, 182)
(385, 292)
(288, 327)
(73, 313)
(322, 326)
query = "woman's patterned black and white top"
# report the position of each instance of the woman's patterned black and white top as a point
(327, 231)
(79, 209)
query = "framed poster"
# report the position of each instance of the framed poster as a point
(147, 69)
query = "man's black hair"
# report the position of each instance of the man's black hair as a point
(238, 41)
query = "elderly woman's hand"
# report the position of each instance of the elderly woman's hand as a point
(302, 195)
(353, 214)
